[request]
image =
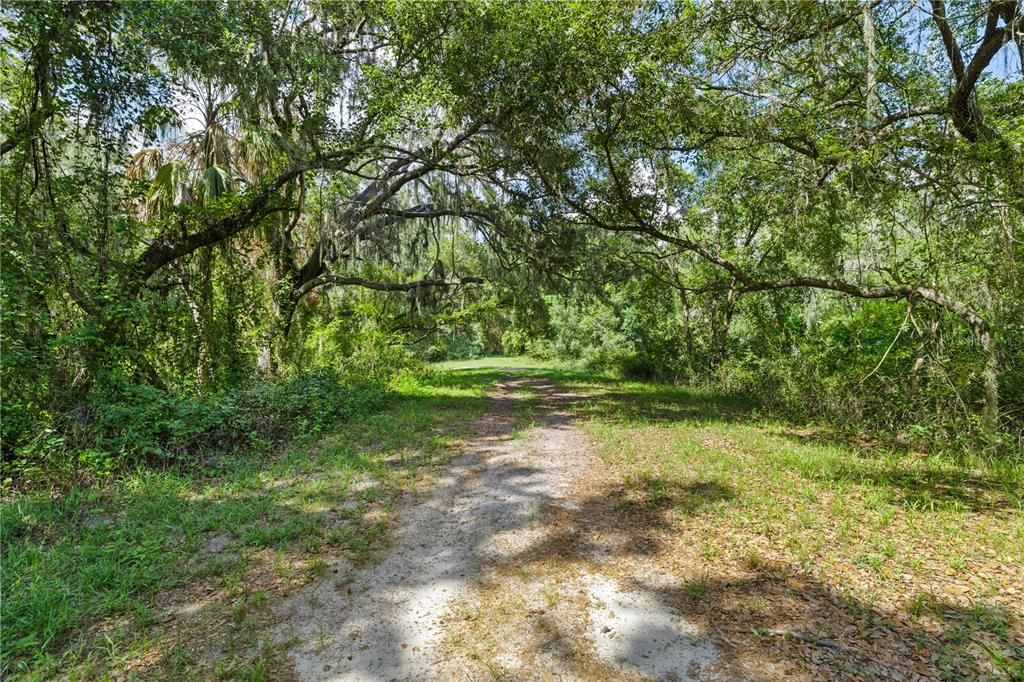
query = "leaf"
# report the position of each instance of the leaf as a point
(216, 181)
(145, 164)
(158, 121)
(169, 188)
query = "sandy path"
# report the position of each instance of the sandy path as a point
(460, 593)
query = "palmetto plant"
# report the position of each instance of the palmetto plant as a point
(208, 153)
(203, 153)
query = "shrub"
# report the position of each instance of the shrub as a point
(629, 330)
(143, 425)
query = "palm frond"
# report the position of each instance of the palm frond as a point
(144, 164)
(258, 150)
(168, 188)
(215, 182)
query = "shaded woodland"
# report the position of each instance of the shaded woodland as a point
(774, 249)
(817, 205)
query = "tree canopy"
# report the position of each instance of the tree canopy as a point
(821, 204)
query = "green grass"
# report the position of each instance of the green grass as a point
(878, 527)
(495, 363)
(927, 546)
(104, 554)
(84, 574)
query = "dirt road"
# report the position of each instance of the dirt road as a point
(501, 570)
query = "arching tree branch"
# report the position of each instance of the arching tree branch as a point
(348, 281)
(259, 204)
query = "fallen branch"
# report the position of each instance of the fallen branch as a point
(790, 634)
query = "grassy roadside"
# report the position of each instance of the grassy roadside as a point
(124, 579)
(771, 527)
(916, 561)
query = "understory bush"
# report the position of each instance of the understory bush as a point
(457, 349)
(877, 369)
(628, 330)
(133, 424)
(472, 332)
(913, 377)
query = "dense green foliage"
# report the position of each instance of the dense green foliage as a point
(104, 551)
(867, 367)
(232, 232)
(228, 223)
(145, 425)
